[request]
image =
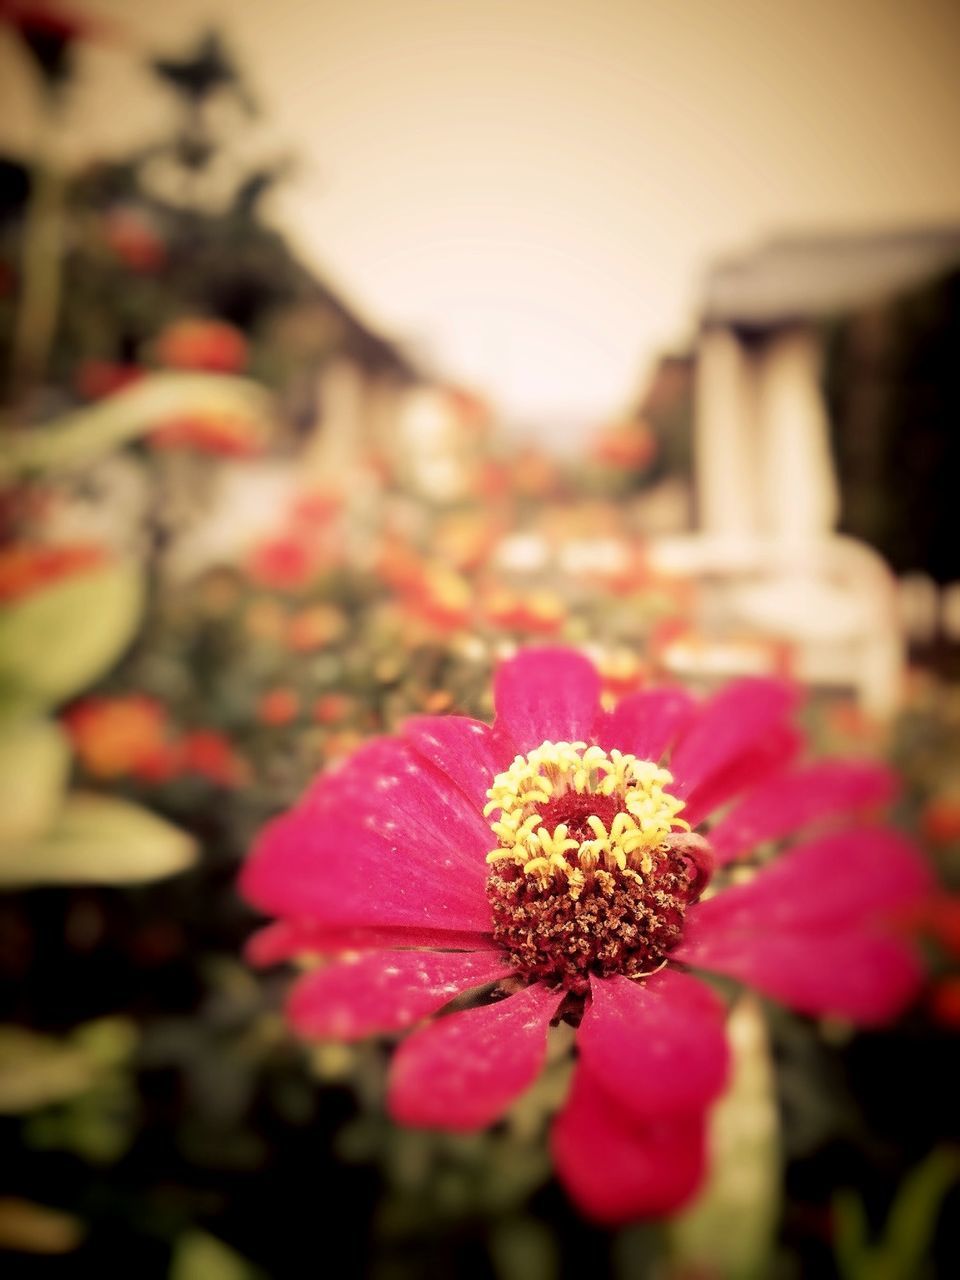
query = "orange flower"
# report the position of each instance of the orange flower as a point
(621, 672)
(315, 627)
(333, 708)
(534, 474)
(626, 446)
(465, 540)
(399, 565)
(470, 410)
(442, 597)
(492, 481)
(315, 509)
(438, 702)
(540, 613)
(278, 707)
(26, 568)
(340, 745)
(197, 343)
(125, 736)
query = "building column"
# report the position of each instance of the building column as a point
(726, 445)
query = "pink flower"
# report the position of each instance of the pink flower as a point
(548, 863)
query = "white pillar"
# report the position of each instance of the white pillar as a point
(341, 427)
(799, 500)
(726, 464)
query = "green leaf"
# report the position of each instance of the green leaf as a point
(729, 1228)
(99, 840)
(903, 1250)
(42, 1071)
(34, 764)
(913, 1217)
(199, 1256)
(86, 434)
(60, 639)
(36, 1071)
(523, 1249)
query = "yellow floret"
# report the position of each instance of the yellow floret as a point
(550, 771)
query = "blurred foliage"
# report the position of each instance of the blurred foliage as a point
(99, 610)
(199, 1256)
(132, 412)
(903, 1250)
(732, 1223)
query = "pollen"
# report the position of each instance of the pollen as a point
(567, 810)
(593, 868)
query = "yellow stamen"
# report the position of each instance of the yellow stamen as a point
(554, 769)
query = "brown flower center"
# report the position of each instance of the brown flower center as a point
(589, 875)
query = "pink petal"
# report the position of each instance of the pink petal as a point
(467, 751)
(809, 930)
(778, 748)
(462, 1072)
(388, 786)
(385, 991)
(658, 1046)
(792, 801)
(729, 726)
(340, 874)
(646, 723)
(285, 939)
(865, 976)
(386, 839)
(547, 695)
(836, 880)
(617, 1168)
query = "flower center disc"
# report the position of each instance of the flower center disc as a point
(589, 874)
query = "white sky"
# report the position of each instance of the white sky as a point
(527, 190)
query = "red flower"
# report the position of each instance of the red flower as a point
(210, 755)
(95, 379)
(32, 17)
(285, 562)
(943, 1001)
(940, 820)
(197, 343)
(49, 33)
(587, 909)
(132, 236)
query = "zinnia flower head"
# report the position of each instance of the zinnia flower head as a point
(562, 865)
